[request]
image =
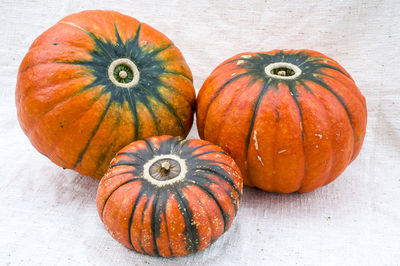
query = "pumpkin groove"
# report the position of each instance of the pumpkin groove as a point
(101, 58)
(176, 216)
(278, 101)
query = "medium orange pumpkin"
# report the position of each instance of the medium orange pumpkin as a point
(165, 196)
(292, 119)
(96, 81)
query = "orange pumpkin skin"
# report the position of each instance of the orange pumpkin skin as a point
(292, 119)
(169, 215)
(96, 81)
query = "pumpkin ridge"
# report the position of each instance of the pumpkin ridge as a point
(185, 151)
(321, 65)
(219, 174)
(122, 173)
(164, 211)
(344, 86)
(132, 106)
(147, 104)
(123, 163)
(137, 201)
(340, 100)
(155, 217)
(148, 199)
(201, 183)
(208, 152)
(94, 132)
(179, 74)
(220, 90)
(333, 154)
(203, 179)
(204, 209)
(111, 146)
(115, 189)
(192, 236)
(159, 50)
(163, 85)
(131, 155)
(97, 97)
(232, 104)
(294, 94)
(266, 85)
(97, 41)
(171, 110)
(150, 145)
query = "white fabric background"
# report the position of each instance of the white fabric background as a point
(48, 215)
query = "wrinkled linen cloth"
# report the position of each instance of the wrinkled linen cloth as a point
(48, 215)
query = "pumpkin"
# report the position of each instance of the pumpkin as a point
(96, 81)
(166, 196)
(293, 120)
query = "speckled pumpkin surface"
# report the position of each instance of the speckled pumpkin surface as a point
(96, 81)
(165, 196)
(293, 120)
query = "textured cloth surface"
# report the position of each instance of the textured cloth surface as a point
(48, 215)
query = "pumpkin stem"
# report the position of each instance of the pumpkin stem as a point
(122, 74)
(282, 73)
(165, 167)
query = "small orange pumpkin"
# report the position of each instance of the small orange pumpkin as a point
(96, 81)
(292, 119)
(165, 196)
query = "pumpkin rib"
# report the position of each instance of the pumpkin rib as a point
(334, 157)
(150, 146)
(218, 92)
(198, 148)
(131, 155)
(205, 180)
(253, 117)
(225, 164)
(234, 60)
(348, 90)
(61, 103)
(133, 211)
(192, 237)
(67, 82)
(207, 152)
(201, 184)
(314, 176)
(203, 208)
(358, 96)
(133, 107)
(175, 91)
(172, 111)
(179, 74)
(222, 176)
(235, 98)
(123, 163)
(115, 189)
(148, 200)
(320, 65)
(80, 156)
(294, 96)
(340, 100)
(155, 225)
(114, 175)
(112, 144)
(164, 210)
(91, 35)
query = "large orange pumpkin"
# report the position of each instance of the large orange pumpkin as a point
(96, 81)
(165, 196)
(292, 119)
